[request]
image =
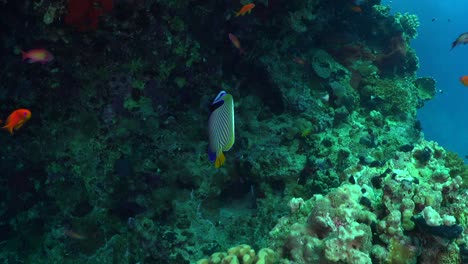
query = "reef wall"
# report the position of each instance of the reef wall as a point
(329, 165)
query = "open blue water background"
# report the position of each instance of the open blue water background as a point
(445, 118)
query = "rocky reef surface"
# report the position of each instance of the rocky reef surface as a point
(329, 165)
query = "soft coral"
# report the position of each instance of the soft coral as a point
(84, 14)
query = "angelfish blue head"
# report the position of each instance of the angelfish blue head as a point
(219, 97)
(218, 101)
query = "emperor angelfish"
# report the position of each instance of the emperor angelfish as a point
(221, 127)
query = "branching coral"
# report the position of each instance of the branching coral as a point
(409, 23)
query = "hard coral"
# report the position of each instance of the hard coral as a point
(409, 23)
(243, 254)
(401, 252)
(351, 244)
(84, 14)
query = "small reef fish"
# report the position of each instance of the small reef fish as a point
(325, 98)
(72, 234)
(246, 9)
(37, 55)
(17, 119)
(464, 80)
(356, 9)
(299, 60)
(221, 128)
(235, 41)
(462, 39)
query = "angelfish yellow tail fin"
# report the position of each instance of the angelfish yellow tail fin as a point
(220, 159)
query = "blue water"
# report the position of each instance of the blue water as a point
(445, 118)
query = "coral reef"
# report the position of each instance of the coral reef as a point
(329, 164)
(242, 254)
(367, 221)
(409, 24)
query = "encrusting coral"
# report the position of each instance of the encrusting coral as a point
(330, 164)
(388, 215)
(242, 254)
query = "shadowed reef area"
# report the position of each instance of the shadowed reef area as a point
(329, 163)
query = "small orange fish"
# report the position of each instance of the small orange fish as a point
(72, 234)
(299, 60)
(464, 80)
(246, 9)
(37, 55)
(235, 41)
(356, 9)
(17, 119)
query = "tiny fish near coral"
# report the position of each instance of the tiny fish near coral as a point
(356, 9)
(299, 60)
(17, 119)
(235, 41)
(72, 234)
(246, 9)
(37, 55)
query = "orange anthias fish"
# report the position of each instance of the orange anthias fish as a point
(246, 9)
(72, 234)
(235, 41)
(17, 119)
(356, 9)
(464, 80)
(299, 60)
(37, 55)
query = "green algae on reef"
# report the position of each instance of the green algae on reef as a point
(329, 164)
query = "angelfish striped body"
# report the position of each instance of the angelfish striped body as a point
(221, 128)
